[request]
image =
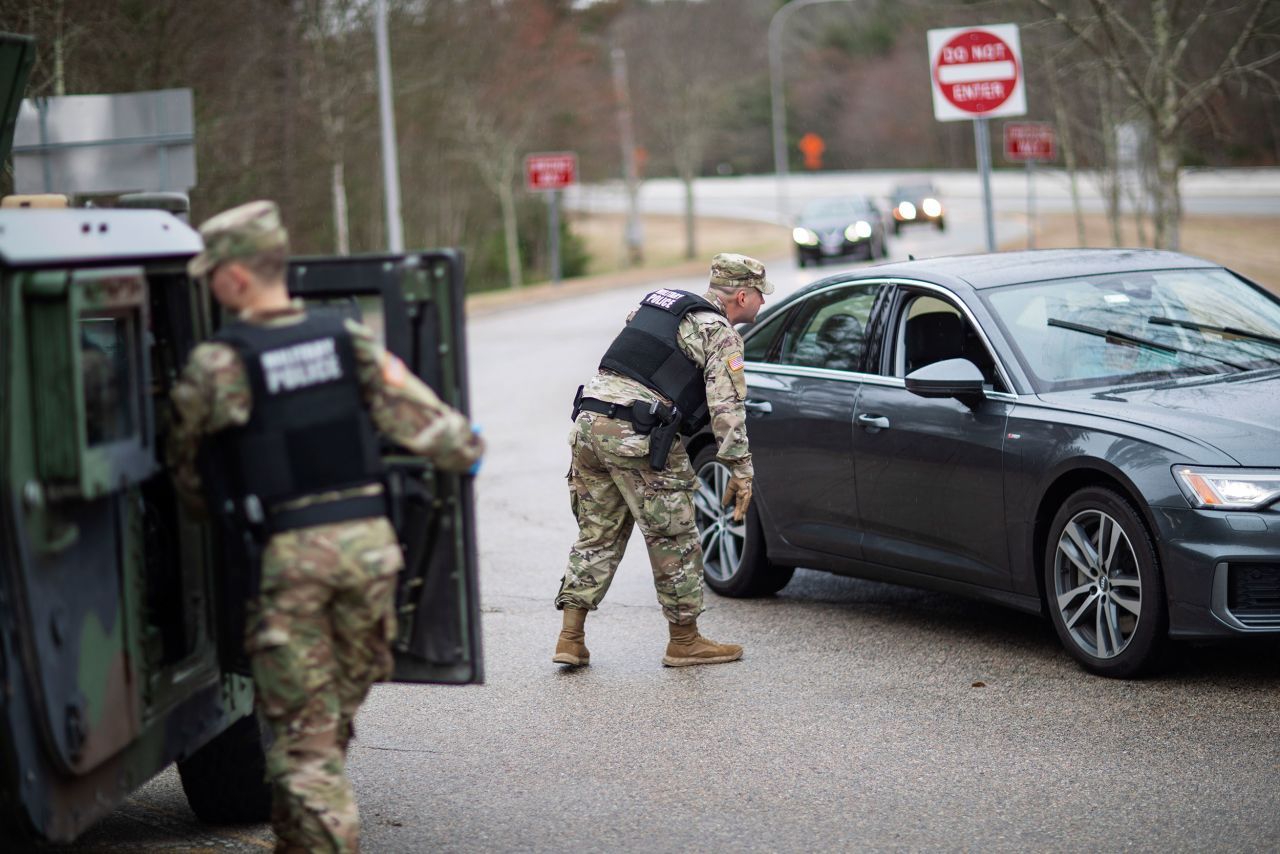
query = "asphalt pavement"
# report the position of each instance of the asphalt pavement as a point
(863, 716)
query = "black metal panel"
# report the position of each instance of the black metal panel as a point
(437, 602)
(1253, 593)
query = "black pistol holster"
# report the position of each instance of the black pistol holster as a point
(661, 423)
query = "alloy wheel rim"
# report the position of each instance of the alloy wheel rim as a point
(1097, 587)
(721, 538)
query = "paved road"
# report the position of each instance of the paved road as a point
(1204, 191)
(862, 716)
(1240, 192)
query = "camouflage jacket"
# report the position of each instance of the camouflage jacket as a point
(213, 394)
(710, 340)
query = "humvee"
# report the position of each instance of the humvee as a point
(121, 617)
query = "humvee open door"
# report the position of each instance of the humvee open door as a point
(113, 606)
(415, 302)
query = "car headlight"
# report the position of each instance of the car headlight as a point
(907, 210)
(931, 207)
(858, 231)
(804, 236)
(1229, 489)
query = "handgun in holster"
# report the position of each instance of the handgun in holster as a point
(664, 427)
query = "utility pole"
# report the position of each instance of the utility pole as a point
(777, 98)
(390, 159)
(622, 95)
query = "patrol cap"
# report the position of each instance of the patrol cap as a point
(730, 270)
(241, 232)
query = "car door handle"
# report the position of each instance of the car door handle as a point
(873, 422)
(764, 407)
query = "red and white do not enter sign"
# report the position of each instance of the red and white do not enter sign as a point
(977, 72)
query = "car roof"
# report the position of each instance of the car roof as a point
(1010, 268)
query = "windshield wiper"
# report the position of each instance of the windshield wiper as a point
(1115, 336)
(1233, 331)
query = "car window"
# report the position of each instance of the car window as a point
(760, 339)
(829, 329)
(931, 329)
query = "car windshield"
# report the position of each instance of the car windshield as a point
(1138, 327)
(832, 208)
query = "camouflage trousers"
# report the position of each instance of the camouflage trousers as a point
(321, 637)
(612, 488)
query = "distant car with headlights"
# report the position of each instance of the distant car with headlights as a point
(917, 203)
(837, 227)
(1092, 435)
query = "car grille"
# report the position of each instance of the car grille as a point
(1253, 594)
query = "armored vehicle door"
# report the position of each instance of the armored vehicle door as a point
(414, 303)
(17, 54)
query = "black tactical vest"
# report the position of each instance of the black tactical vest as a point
(647, 351)
(308, 432)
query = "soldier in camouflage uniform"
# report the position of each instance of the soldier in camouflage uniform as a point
(319, 635)
(613, 486)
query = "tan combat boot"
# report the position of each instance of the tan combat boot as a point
(688, 647)
(570, 648)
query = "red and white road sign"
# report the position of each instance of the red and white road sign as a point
(977, 72)
(1029, 141)
(551, 170)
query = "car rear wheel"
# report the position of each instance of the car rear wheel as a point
(734, 559)
(1103, 586)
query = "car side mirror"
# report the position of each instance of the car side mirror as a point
(958, 378)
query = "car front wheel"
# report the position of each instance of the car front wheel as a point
(733, 553)
(1103, 586)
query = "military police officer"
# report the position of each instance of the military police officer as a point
(276, 418)
(676, 366)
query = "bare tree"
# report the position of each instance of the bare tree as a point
(503, 91)
(687, 62)
(328, 81)
(1148, 48)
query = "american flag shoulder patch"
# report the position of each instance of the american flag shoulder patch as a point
(735, 362)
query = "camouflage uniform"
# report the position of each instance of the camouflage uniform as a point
(612, 487)
(321, 629)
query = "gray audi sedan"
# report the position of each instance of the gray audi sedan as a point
(1088, 434)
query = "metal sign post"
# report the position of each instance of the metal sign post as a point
(387, 123)
(977, 74)
(982, 143)
(553, 233)
(1030, 142)
(551, 172)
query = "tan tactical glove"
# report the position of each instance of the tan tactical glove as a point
(738, 492)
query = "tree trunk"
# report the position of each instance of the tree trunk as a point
(690, 243)
(507, 199)
(1067, 140)
(341, 228)
(59, 51)
(1111, 169)
(1168, 213)
(1168, 206)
